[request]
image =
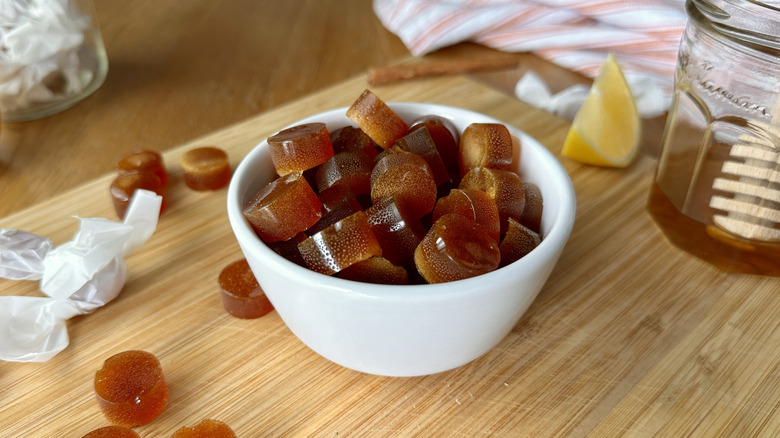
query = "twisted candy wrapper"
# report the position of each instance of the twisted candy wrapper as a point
(644, 35)
(77, 277)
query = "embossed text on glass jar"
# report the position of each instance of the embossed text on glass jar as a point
(716, 192)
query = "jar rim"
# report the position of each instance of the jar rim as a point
(751, 21)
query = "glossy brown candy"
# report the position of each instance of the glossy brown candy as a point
(485, 145)
(300, 147)
(131, 389)
(349, 168)
(445, 138)
(205, 429)
(377, 270)
(374, 117)
(283, 208)
(112, 432)
(338, 202)
(241, 294)
(350, 138)
(456, 248)
(518, 241)
(406, 177)
(143, 160)
(124, 186)
(532, 210)
(397, 231)
(340, 245)
(473, 204)
(289, 248)
(206, 168)
(504, 186)
(420, 142)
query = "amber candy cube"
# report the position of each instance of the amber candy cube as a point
(420, 142)
(504, 186)
(112, 432)
(377, 270)
(289, 248)
(206, 168)
(143, 160)
(283, 208)
(241, 294)
(350, 168)
(518, 241)
(532, 210)
(131, 389)
(205, 429)
(473, 204)
(397, 231)
(124, 186)
(406, 177)
(338, 202)
(446, 139)
(374, 117)
(300, 148)
(341, 245)
(352, 139)
(456, 248)
(485, 145)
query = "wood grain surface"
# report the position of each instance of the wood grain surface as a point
(629, 337)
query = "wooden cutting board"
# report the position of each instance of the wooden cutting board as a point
(628, 337)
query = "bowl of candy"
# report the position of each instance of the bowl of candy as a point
(401, 239)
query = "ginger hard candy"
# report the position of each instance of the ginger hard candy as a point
(300, 148)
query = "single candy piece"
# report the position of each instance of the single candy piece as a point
(289, 248)
(242, 295)
(131, 389)
(206, 168)
(338, 202)
(518, 241)
(112, 432)
(350, 168)
(342, 244)
(446, 140)
(377, 270)
(376, 119)
(456, 248)
(206, 429)
(350, 138)
(532, 210)
(407, 177)
(144, 160)
(504, 186)
(485, 145)
(397, 231)
(421, 143)
(283, 208)
(124, 186)
(300, 148)
(473, 204)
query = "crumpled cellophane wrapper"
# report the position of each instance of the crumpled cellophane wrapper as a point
(77, 277)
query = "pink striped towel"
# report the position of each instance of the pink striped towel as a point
(644, 35)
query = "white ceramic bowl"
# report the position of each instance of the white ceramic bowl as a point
(406, 330)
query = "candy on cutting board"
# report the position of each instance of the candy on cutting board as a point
(241, 294)
(300, 148)
(456, 248)
(485, 145)
(206, 168)
(131, 389)
(377, 270)
(377, 120)
(472, 204)
(124, 186)
(205, 429)
(340, 245)
(408, 178)
(141, 160)
(283, 208)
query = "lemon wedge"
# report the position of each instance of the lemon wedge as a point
(606, 130)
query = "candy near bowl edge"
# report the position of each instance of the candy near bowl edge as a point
(406, 330)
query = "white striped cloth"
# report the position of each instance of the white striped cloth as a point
(644, 35)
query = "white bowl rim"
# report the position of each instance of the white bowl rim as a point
(554, 239)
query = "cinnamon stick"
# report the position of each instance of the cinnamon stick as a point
(395, 73)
